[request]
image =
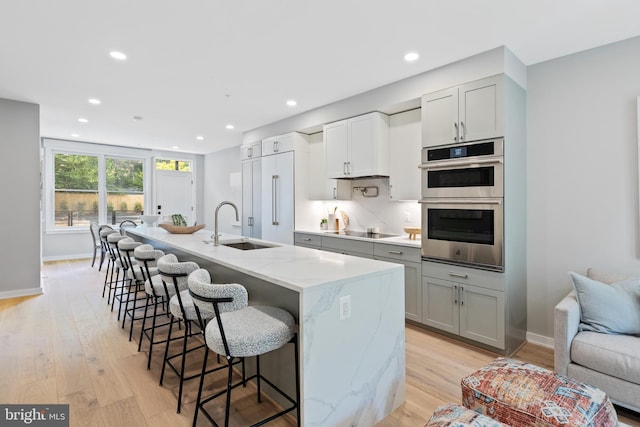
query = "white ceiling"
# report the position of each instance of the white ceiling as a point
(196, 65)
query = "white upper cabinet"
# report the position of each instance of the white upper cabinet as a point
(280, 143)
(251, 151)
(357, 147)
(404, 155)
(469, 112)
(321, 187)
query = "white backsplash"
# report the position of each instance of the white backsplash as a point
(389, 216)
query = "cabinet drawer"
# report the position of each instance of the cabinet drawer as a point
(464, 275)
(347, 245)
(308, 240)
(400, 253)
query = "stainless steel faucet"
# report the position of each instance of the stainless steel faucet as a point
(216, 239)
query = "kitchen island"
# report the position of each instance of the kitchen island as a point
(352, 370)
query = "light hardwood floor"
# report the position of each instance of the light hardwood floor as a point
(66, 347)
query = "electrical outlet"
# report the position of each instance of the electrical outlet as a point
(407, 216)
(345, 307)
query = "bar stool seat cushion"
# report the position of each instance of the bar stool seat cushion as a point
(251, 331)
(155, 286)
(189, 307)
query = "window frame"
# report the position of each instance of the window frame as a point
(51, 147)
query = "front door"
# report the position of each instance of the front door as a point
(174, 195)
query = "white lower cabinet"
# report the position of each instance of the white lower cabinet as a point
(465, 303)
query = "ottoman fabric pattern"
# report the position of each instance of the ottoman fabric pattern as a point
(452, 415)
(521, 394)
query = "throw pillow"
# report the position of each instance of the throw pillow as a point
(610, 309)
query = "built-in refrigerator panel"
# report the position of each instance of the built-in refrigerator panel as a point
(251, 198)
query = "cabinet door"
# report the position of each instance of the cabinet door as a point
(321, 187)
(336, 148)
(412, 288)
(404, 155)
(440, 118)
(440, 304)
(362, 155)
(251, 198)
(277, 197)
(481, 109)
(482, 315)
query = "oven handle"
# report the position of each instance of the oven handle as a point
(467, 163)
(446, 201)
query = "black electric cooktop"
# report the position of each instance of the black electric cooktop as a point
(362, 234)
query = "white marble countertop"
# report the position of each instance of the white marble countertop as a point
(401, 240)
(292, 267)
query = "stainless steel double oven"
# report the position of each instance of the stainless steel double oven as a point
(462, 203)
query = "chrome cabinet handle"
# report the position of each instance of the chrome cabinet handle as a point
(461, 275)
(335, 193)
(348, 168)
(344, 168)
(306, 239)
(250, 152)
(250, 221)
(274, 199)
(462, 130)
(461, 295)
(455, 294)
(275, 146)
(455, 131)
(395, 252)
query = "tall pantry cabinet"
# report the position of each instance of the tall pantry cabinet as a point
(251, 155)
(284, 181)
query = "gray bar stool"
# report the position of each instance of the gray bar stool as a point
(239, 330)
(147, 258)
(175, 275)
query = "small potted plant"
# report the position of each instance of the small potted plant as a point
(324, 224)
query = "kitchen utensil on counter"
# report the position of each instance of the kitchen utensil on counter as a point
(373, 230)
(413, 232)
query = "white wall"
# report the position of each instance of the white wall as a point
(20, 257)
(582, 172)
(223, 181)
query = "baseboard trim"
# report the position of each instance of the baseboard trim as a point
(21, 293)
(540, 340)
(70, 257)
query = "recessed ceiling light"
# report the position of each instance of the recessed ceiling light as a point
(118, 55)
(83, 120)
(291, 102)
(200, 138)
(137, 118)
(175, 147)
(75, 135)
(411, 56)
(94, 101)
(230, 126)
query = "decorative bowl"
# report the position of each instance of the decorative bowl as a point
(149, 220)
(175, 229)
(413, 232)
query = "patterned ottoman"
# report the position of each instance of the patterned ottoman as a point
(521, 394)
(452, 415)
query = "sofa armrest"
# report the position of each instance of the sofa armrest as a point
(566, 322)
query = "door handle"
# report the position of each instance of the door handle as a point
(455, 131)
(335, 193)
(461, 295)
(461, 275)
(462, 130)
(275, 146)
(274, 199)
(395, 252)
(344, 168)
(250, 221)
(250, 152)
(455, 294)
(348, 168)
(306, 239)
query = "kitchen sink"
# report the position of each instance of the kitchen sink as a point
(246, 245)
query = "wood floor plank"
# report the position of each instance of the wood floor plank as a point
(66, 346)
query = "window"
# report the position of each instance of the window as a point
(173, 165)
(125, 193)
(76, 190)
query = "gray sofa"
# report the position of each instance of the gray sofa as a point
(609, 362)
